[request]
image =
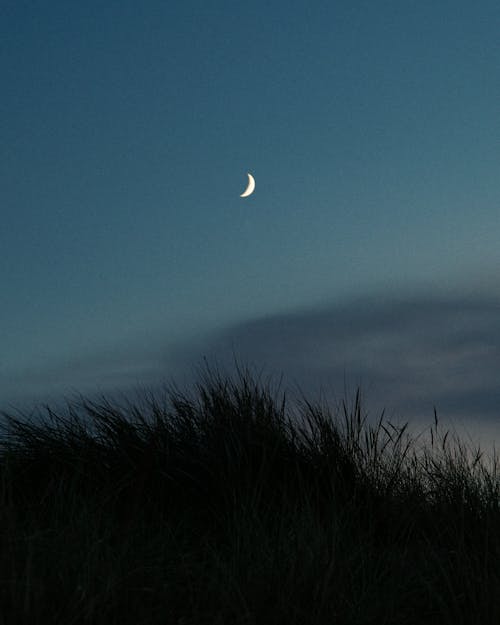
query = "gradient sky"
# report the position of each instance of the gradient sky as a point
(127, 130)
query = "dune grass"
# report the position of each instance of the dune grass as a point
(225, 506)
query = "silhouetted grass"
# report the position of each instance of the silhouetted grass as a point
(223, 508)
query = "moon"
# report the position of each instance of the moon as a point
(250, 187)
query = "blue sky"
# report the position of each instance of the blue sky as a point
(127, 130)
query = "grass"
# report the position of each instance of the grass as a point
(223, 507)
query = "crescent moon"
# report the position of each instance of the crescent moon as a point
(250, 188)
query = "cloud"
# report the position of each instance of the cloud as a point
(117, 369)
(408, 354)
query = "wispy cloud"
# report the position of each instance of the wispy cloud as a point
(409, 354)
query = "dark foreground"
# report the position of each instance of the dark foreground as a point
(219, 508)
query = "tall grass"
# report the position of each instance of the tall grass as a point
(219, 507)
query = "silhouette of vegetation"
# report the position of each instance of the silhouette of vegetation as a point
(225, 506)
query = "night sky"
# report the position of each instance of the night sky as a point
(368, 251)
